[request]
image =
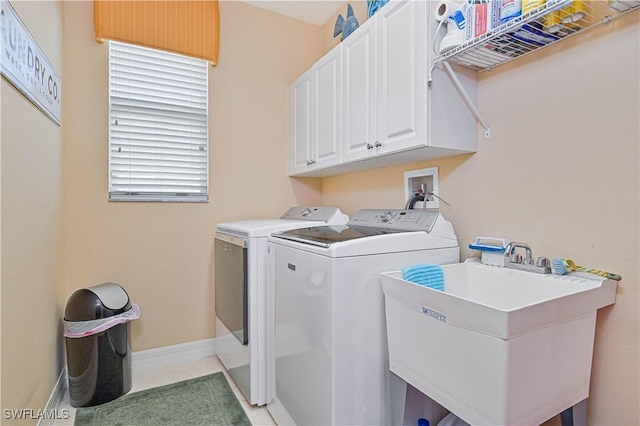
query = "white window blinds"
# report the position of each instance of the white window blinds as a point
(158, 125)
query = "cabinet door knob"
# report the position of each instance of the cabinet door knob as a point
(378, 144)
(369, 146)
(310, 162)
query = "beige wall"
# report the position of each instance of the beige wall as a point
(32, 230)
(560, 172)
(161, 252)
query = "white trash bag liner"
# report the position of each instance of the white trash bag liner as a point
(77, 329)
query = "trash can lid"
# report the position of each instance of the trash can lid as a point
(100, 301)
(111, 295)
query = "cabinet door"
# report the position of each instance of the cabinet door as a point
(300, 113)
(359, 93)
(402, 75)
(327, 109)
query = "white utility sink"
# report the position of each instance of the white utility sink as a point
(498, 346)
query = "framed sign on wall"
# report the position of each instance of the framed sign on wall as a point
(25, 65)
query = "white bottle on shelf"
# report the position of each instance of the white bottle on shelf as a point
(510, 9)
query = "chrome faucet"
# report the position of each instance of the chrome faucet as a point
(510, 251)
(515, 261)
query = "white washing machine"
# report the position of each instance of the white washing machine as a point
(330, 357)
(241, 295)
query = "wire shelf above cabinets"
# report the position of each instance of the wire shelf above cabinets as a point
(550, 23)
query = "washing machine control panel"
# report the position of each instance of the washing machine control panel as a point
(401, 220)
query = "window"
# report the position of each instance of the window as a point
(158, 125)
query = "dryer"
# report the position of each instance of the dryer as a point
(330, 360)
(241, 295)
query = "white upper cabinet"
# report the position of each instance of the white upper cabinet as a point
(384, 85)
(366, 104)
(300, 110)
(315, 116)
(402, 81)
(359, 92)
(328, 110)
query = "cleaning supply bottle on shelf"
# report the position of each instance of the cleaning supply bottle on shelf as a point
(510, 9)
(529, 5)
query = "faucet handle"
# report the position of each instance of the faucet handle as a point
(543, 262)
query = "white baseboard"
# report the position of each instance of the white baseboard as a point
(175, 354)
(52, 409)
(141, 360)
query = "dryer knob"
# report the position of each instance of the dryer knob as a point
(386, 216)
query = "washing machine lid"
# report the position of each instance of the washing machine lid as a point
(325, 236)
(387, 231)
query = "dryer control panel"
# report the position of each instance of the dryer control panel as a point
(321, 214)
(401, 220)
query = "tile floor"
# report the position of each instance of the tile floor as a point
(149, 378)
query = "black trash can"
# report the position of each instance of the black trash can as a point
(97, 336)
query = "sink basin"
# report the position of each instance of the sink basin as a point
(498, 346)
(507, 302)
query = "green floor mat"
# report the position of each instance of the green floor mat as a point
(206, 400)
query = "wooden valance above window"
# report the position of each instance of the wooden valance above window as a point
(188, 27)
